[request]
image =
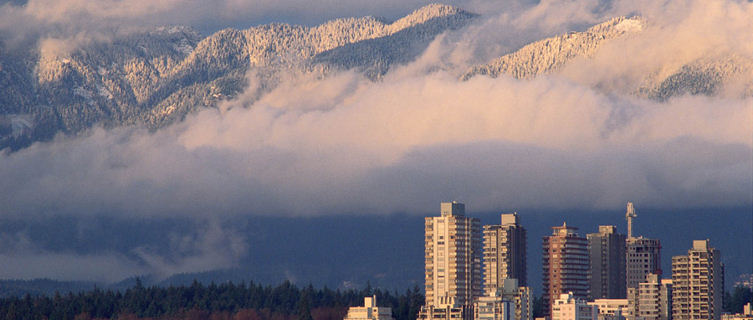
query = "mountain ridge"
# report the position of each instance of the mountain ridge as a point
(159, 76)
(550, 54)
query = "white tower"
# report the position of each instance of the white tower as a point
(629, 215)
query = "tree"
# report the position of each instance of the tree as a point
(304, 307)
(740, 296)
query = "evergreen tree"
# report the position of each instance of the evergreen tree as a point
(733, 303)
(304, 307)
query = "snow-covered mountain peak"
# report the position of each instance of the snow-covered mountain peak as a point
(424, 14)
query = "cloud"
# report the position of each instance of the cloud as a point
(210, 247)
(207, 245)
(69, 267)
(345, 144)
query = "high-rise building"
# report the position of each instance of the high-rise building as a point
(504, 253)
(651, 300)
(697, 283)
(643, 257)
(453, 263)
(607, 264)
(369, 311)
(565, 265)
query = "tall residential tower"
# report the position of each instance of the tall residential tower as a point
(697, 283)
(504, 253)
(607, 266)
(565, 265)
(453, 263)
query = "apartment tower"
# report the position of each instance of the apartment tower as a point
(565, 265)
(453, 263)
(607, 264)
(697, 283)
(504, 253)
(643, 257)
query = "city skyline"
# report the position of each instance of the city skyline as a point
(582, 277)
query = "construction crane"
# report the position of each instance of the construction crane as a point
(629, 215)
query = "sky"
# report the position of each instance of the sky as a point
(343, 144)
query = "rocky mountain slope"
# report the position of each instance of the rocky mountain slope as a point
(158, 77)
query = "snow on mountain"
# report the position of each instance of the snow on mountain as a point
(721, 75)
(707, 75)
(157, 77)
(549, 55)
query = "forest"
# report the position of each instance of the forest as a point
(244, 301)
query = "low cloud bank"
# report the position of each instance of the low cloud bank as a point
(208, 245)
(344, 144)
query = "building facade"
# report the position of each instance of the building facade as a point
(504, 253)
(607, 264)
(569, 307)
(565, 265)
(369, 311)
(520, 297)
(453, 262)
(652, 300)
(446, 313)
(697, 283)
(493, 307)
(643, 257)
(611, 309)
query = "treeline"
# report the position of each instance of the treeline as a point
(733, 303)
(215, 301)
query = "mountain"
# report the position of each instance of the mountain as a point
(707, 75)
(155, 78)
(40, 287)
(549, 55)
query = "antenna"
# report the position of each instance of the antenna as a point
(629, 215)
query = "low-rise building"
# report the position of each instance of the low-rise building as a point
(746, 315)
(569, 307)
(458, 312)
(611, 309)
(369, 311)
(493, 307)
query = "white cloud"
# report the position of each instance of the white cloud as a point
(344, 144)
(208, 246)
